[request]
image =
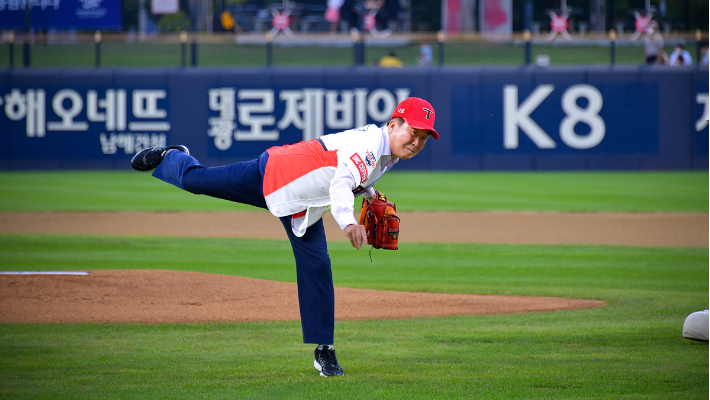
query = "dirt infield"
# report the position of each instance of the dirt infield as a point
(169, 296)
(684, 230)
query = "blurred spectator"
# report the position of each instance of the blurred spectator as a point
(390, 61)
(653, 47)
(703, 54)
(387, 12)
(680, 56)
(350, 11)
(332, 14)
(425, 54)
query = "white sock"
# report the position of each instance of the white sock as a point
(326, 347)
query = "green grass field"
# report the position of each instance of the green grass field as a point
(233, 55)
(674, 191)
(630, 349)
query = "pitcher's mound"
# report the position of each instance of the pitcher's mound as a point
(171, 296)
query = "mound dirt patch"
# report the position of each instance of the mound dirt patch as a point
(149, 296)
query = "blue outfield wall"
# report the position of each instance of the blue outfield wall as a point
(489, 118)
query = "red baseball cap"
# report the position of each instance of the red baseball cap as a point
(418, 113)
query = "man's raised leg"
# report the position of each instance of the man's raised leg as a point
(239, 182)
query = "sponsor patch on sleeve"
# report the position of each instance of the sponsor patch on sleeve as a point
(370, 159)
(360, 165)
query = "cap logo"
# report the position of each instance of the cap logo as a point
(400, 110)
(428, 112)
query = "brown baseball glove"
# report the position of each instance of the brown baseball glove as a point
(381, 222)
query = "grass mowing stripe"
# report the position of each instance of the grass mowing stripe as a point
(412, 191)
(460, 268)
(629, 349)
(550, 191)
(456, 357)
(100, 191)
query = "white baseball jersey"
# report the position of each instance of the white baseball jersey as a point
(303, 179)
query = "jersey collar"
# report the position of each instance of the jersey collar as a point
(387, 160)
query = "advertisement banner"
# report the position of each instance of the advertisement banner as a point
(488, 119)
(495, 16)
(164, 6)
(285, 116)
(68, 121)
(458, 16)
(556, 119)
(115, 122)
(61, 14)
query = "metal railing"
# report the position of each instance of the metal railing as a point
(359, 42)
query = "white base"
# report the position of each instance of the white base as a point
(44, 273)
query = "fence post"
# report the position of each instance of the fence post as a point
(26, 37)
(269, 49)
(528, 45)
(26, 50)
(11, 40)
(194, 48)
(183, 49)
(97, 40)
(612, 45)
(441, 37)
(361, 46)
(357, 54)
(698, 40)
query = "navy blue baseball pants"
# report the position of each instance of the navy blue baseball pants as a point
(242, 183)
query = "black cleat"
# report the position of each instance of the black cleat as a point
(326, 362)
(151, 157)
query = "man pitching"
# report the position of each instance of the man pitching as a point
(297, 183)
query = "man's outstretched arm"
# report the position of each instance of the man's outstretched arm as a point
(342, 200)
